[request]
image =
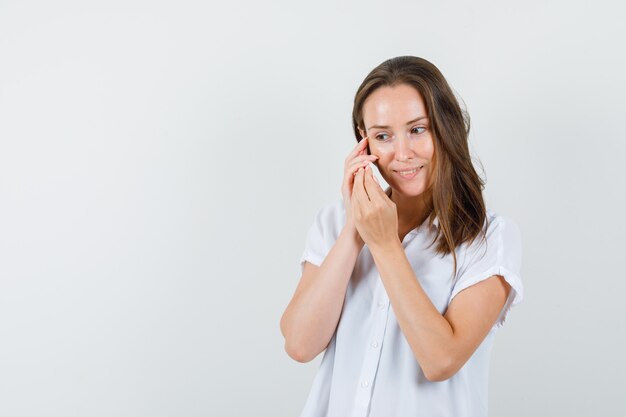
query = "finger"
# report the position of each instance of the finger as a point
(351, 172)
(370, 158)
(360, 147)
(354, 200)
(360, 178)
(362, 162)
(360, 157)
(373, 188)
(358, 192)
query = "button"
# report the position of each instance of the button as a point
(365, 384)
(374, 344)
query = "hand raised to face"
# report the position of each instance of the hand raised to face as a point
(357, 158)
(375, 215)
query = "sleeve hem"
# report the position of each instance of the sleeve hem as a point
(309, 257)
(516, 294)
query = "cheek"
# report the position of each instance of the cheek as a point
(383, 150)
(427, 149)
(431, 150)
(383, 162)
(385, 156)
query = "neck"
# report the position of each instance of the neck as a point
(411, 210)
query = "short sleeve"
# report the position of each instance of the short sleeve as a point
(321, 236)
(500, 254)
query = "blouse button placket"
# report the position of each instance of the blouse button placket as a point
(372, 355)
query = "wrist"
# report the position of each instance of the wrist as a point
(350, 231)
(387, 248)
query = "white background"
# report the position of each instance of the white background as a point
(161, 162)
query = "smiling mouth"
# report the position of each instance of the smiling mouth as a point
(411, 171)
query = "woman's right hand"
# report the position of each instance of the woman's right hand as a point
(358, 158)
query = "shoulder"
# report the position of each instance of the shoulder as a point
(329, 220)
(497, 223)
(502, 228)
(500, 232)
(331, 216)
(332, 210)
(500, 253)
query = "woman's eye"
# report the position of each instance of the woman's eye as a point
(379, 136)
(418, 127)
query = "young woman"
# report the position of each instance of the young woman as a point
(406, 287)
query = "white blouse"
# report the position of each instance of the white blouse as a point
(368, 368)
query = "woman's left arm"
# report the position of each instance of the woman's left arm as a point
(441, 343)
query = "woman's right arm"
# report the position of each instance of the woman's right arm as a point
(310, 319)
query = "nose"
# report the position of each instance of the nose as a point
(403, 151)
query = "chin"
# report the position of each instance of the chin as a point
(410, 190)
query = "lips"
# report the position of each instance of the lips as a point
(407, 170)
(408, 173)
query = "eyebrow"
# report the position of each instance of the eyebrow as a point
(408, 123)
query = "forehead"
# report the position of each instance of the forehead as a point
(393, 106)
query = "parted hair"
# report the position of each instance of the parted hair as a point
(455, 188)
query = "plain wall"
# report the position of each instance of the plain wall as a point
(161, 162)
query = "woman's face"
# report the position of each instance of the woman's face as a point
(397, 124)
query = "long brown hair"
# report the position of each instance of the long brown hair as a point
(457, 199)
